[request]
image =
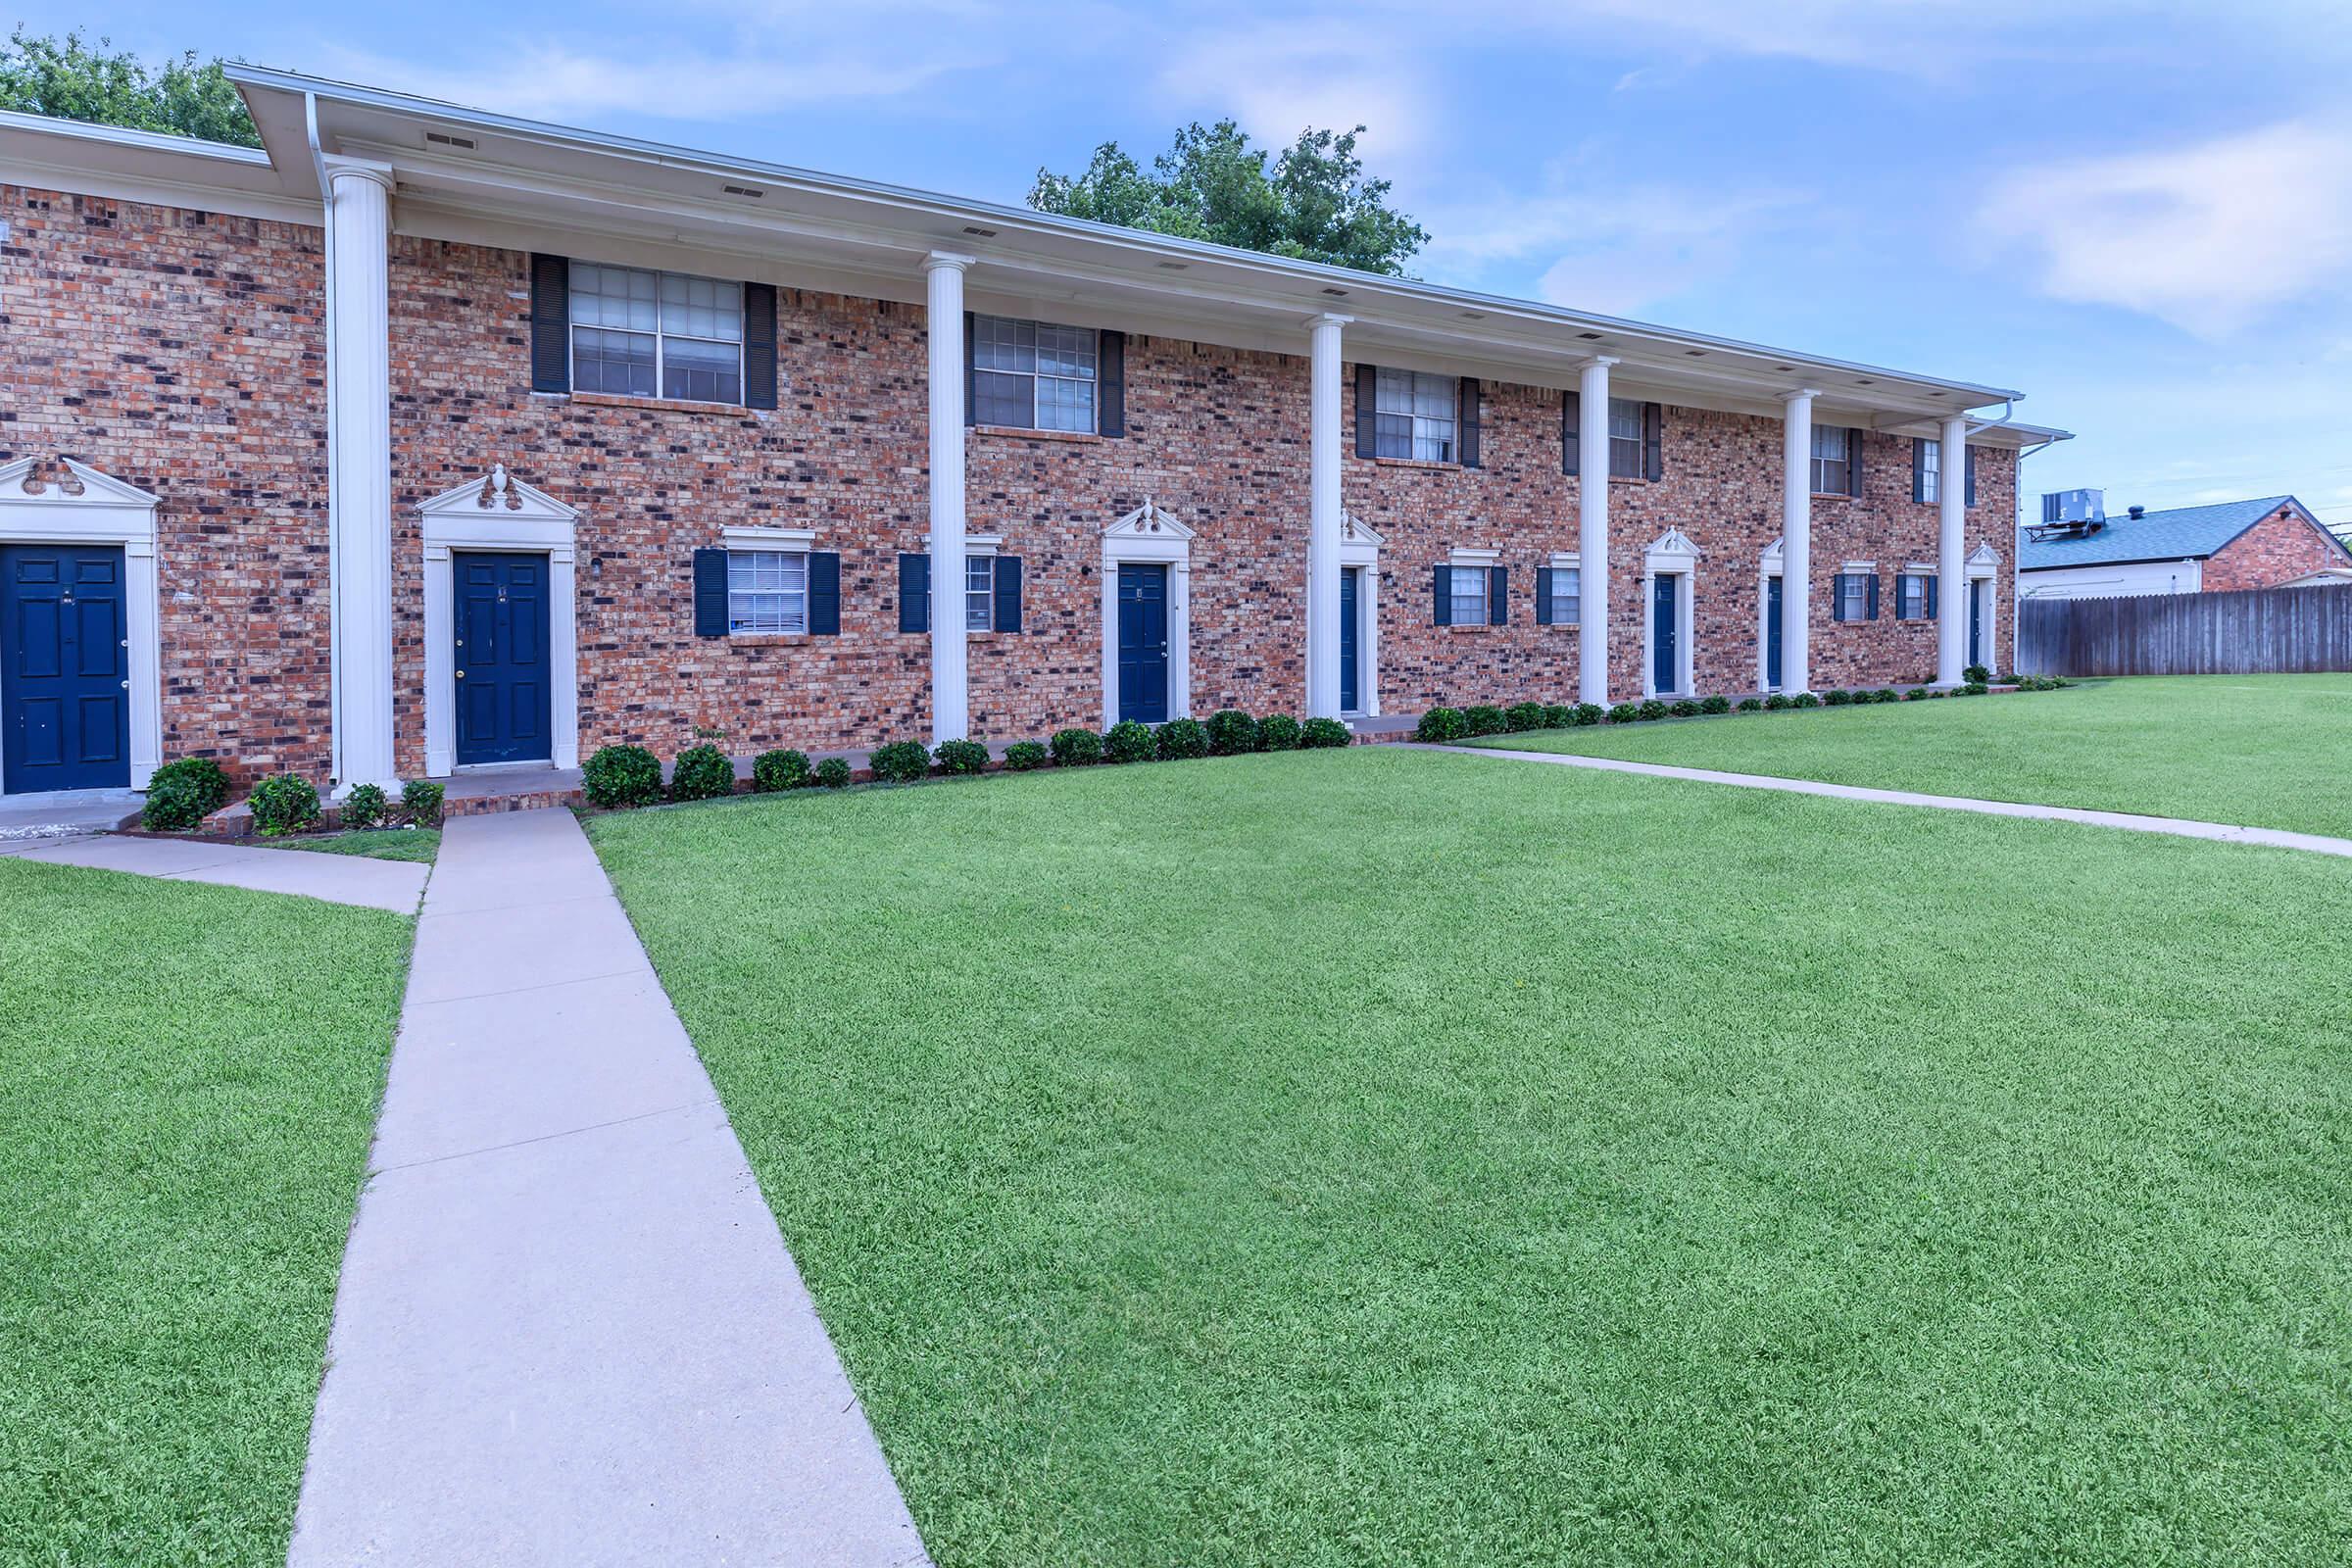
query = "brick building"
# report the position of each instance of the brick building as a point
(424, 439)
(2077, 551)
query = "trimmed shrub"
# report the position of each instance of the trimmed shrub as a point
(781, 769)
(183, 792)
(1625, 713)
(1129, 741)
(1776, 702)
(1915, 694)
(1584, 714)
(282, 803)
(1182, 738)
(1232, 732)
(964, 758)
(1076, 747)
(1021, 757)
(833, 773)
(1654, 709)
(1484, 720)
(1523, 717)
(702, 774)
(1750, 705)
(1717, 703)
(1885, 693)
(1318, 733)
(420, 802)
(1975, 688)
(1804, 700)
(900, 761)
(1558, 715)
(1441, 724)
(1938, 691)
(1278, 732)
(618, 777)
(1685, 709)
(365, 805)
(1976, 675)
(1836, 699)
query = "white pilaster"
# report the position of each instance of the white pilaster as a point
(1592, 532)
(1323, 521)
(1951, 566)
(1796, 543)
(950, 707)
(359, 483)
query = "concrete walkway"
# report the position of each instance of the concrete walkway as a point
(2178, 828)
(393, 885)
(567, 1330)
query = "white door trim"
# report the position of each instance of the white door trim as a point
(1359, 547)
(1670, 555)
(1149, 536)
(1767, 569)
(102, 512)
(499, 514)
(1985, 567)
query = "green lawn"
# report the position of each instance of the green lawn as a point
(188, 1079)
(1385, 1157)
(2261, 751)
(379, 844)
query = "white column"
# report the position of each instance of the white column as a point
(950, 708)
(359, 475)
(1951, 552)
(1796, 543)
(1592, 532)
(1323, 521)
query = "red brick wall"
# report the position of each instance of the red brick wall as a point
(2280, 548)
(183, 352)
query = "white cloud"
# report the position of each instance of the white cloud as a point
(2209, 237)
(1280, 78)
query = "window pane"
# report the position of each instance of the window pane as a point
(1064, 405)
(1625, 419)
(999, 343)
(979, 580)
(1433, 440)
(1469, 595)
(604, 361)
(712, 372)
(1566, 595)
(1392, 435)
(623, 297)
(999, 398)
(702, 307)
(1065, 351)
(1394, 392)
(768, 591)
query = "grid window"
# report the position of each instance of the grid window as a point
(1853, 596)
(1833, 471)
(645, 335)
(1033, 375)
(1567, 595)
(979, 592)
(1467, 596)
(1624, 439)
(1413, 415)
(768, 591)
(1911, 597)
(1930, 470)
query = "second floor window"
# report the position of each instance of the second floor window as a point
(1930, 470)
(1624, 439)
(1414, 415)
(655, 335)
(1033, 375)
(1833, 461)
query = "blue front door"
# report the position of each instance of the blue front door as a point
(1976, 622)
(504, 704)
(1772, 633)
(65, 658)
(1142, 643)
(1351, 670)
(1666, 664)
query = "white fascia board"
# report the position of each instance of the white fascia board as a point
(143, 166)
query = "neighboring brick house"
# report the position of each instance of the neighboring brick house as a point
(2078, 552)
(453, 440)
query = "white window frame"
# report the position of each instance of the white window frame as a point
(1567, 562)
(1423, 430)
(1479, 572)
(1930, 470)
(1850, 572)
(977, 547)
(1918, 572)
(1821, 463)
(1092, 379)
(1639, 440)
(787, 556)
(661, 334)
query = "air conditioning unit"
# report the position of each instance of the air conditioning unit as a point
(2074, 506)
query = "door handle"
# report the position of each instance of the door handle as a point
(461, 675)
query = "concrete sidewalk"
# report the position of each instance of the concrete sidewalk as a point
(2175, 826)
(567, 1330)
(393, 885)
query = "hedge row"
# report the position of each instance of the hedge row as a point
(1440, 726)
(182, 793)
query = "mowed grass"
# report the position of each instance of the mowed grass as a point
(1387, 1156)
(2260, 750)
(188, 1077)
(418, 844)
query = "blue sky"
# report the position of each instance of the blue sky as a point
(2141, 214)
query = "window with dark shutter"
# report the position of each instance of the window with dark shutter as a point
(1112, 377)
(551, 324)
(1367, 412)
(914, 591)
(1871, 599)
(709, 593)
(1654, 441)
(1008, 593)
(1969, 494)
(1468, 416)
(1542, 595)
(824, 593)
(1571, 431)
(1498, 597)
(1853, 465)
(759, 345)
(1441, 596)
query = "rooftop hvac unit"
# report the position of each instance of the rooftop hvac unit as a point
(2074, 506)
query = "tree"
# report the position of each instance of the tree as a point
(66, 79)
(1211, 184)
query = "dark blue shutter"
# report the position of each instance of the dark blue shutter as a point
(914, 592)
(824, 593)
(1571, 430)
(971, 337)
(1870, 608)
(1110, 379)
(1468, 400)
(1008, 593)
(1970, 496)
(1853, 461)
(1542, 595)
(1367, 412)
(1498, 601)
(1442, 596)
(1931, 598)
(1654, 441)
(1838, 596)
(551, 324)
(759, 345)
(709, 593)
(1918, 469)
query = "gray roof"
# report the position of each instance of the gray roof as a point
(2180, 534)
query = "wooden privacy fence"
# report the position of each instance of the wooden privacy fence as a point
(2258, 631)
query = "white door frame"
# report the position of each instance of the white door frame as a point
(1149, 536)
(102, 512)
(1359, 547)
(1670, 555)
(501, 515)
(1767, 569)
(1985, 567)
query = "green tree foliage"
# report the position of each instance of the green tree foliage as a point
(66, 78)
(1314, 204)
